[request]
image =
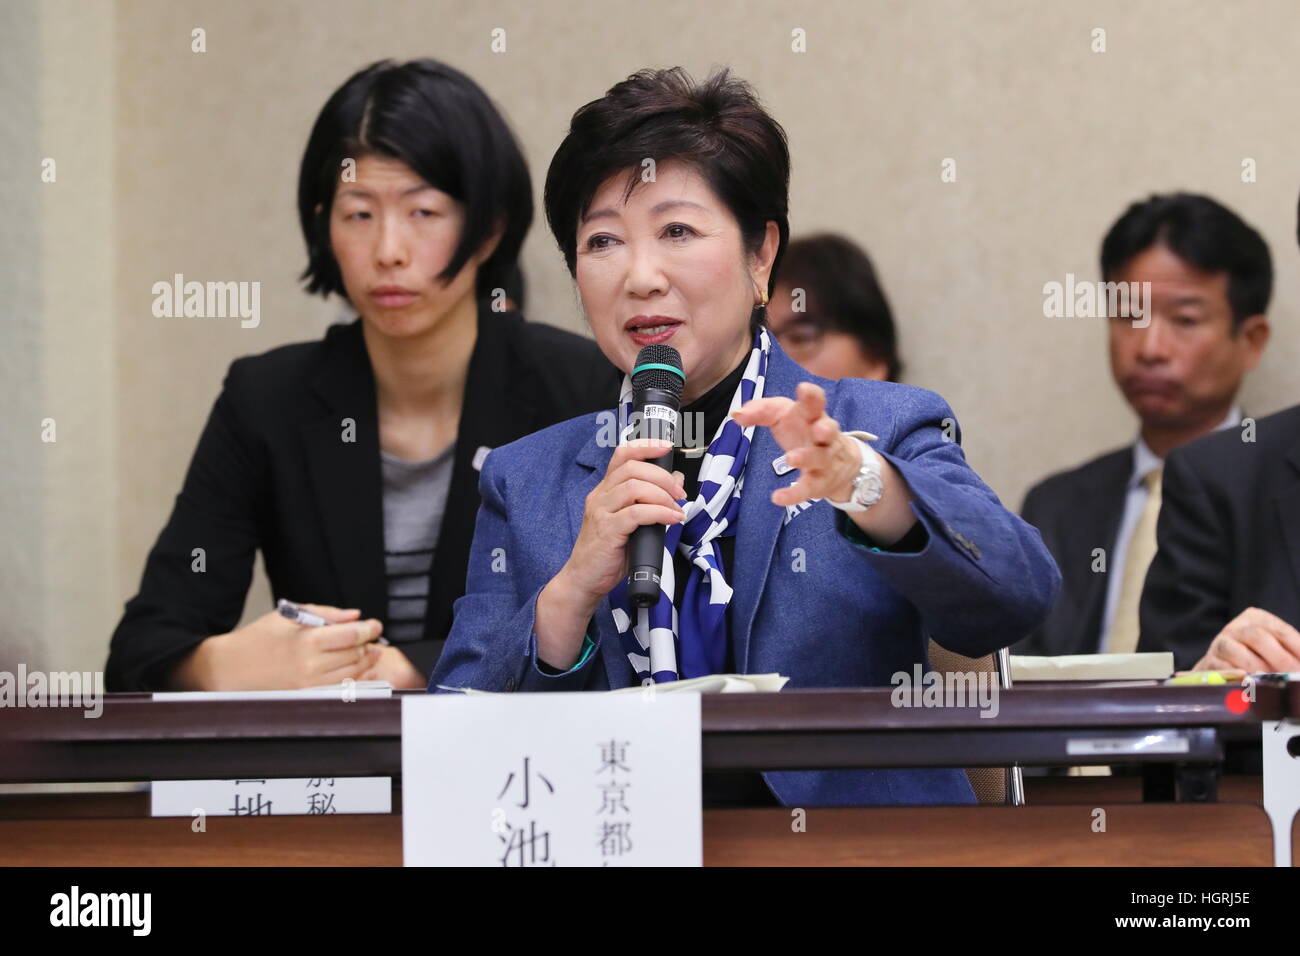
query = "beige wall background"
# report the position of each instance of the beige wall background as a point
(174, 161)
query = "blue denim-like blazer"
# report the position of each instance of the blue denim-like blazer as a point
(811, 599)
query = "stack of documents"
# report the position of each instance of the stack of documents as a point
(708, 684)
(353, 690)
(1156, 666)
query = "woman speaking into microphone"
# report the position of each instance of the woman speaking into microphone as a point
(822, 530)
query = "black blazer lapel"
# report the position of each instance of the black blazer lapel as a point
(344, 475)
(1098, 512)
(1288, 513)
(494, 412)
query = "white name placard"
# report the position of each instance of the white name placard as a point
(271, 796)
(306, 796)
(562, 779)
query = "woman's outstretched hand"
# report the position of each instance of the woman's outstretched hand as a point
(827, 459)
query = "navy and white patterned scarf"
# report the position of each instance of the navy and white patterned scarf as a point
(665, 642)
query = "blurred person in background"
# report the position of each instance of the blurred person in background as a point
(830, 314)
(1223, 592)
(1211, 278)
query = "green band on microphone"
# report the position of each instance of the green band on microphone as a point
(670, 368)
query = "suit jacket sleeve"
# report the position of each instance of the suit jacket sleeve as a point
(197, 575)
(1185, 599)
(492, 645)
(983, 578)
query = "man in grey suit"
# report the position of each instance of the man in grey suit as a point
(1179, 369)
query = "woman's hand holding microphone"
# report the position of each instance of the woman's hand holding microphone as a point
(634, 492)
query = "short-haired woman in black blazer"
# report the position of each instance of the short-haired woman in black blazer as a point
(352, 462)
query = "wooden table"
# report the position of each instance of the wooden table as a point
(137, 738)
(111, 830)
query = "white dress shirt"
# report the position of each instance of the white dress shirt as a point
(1144, 462)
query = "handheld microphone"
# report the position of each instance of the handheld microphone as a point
(657, 383)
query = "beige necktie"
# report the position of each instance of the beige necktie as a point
(1124, 629)
(1141, 549)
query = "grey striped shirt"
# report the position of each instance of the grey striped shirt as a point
(415, 497)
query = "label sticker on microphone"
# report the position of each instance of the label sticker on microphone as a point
(663, 412)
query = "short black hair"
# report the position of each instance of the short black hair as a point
(718, 127)
(841, 292)
(1204, 234)
(440, 123)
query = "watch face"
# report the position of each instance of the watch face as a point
(868, 486)
(867, 489)
(867, 483)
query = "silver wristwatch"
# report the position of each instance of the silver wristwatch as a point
(867, 483)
